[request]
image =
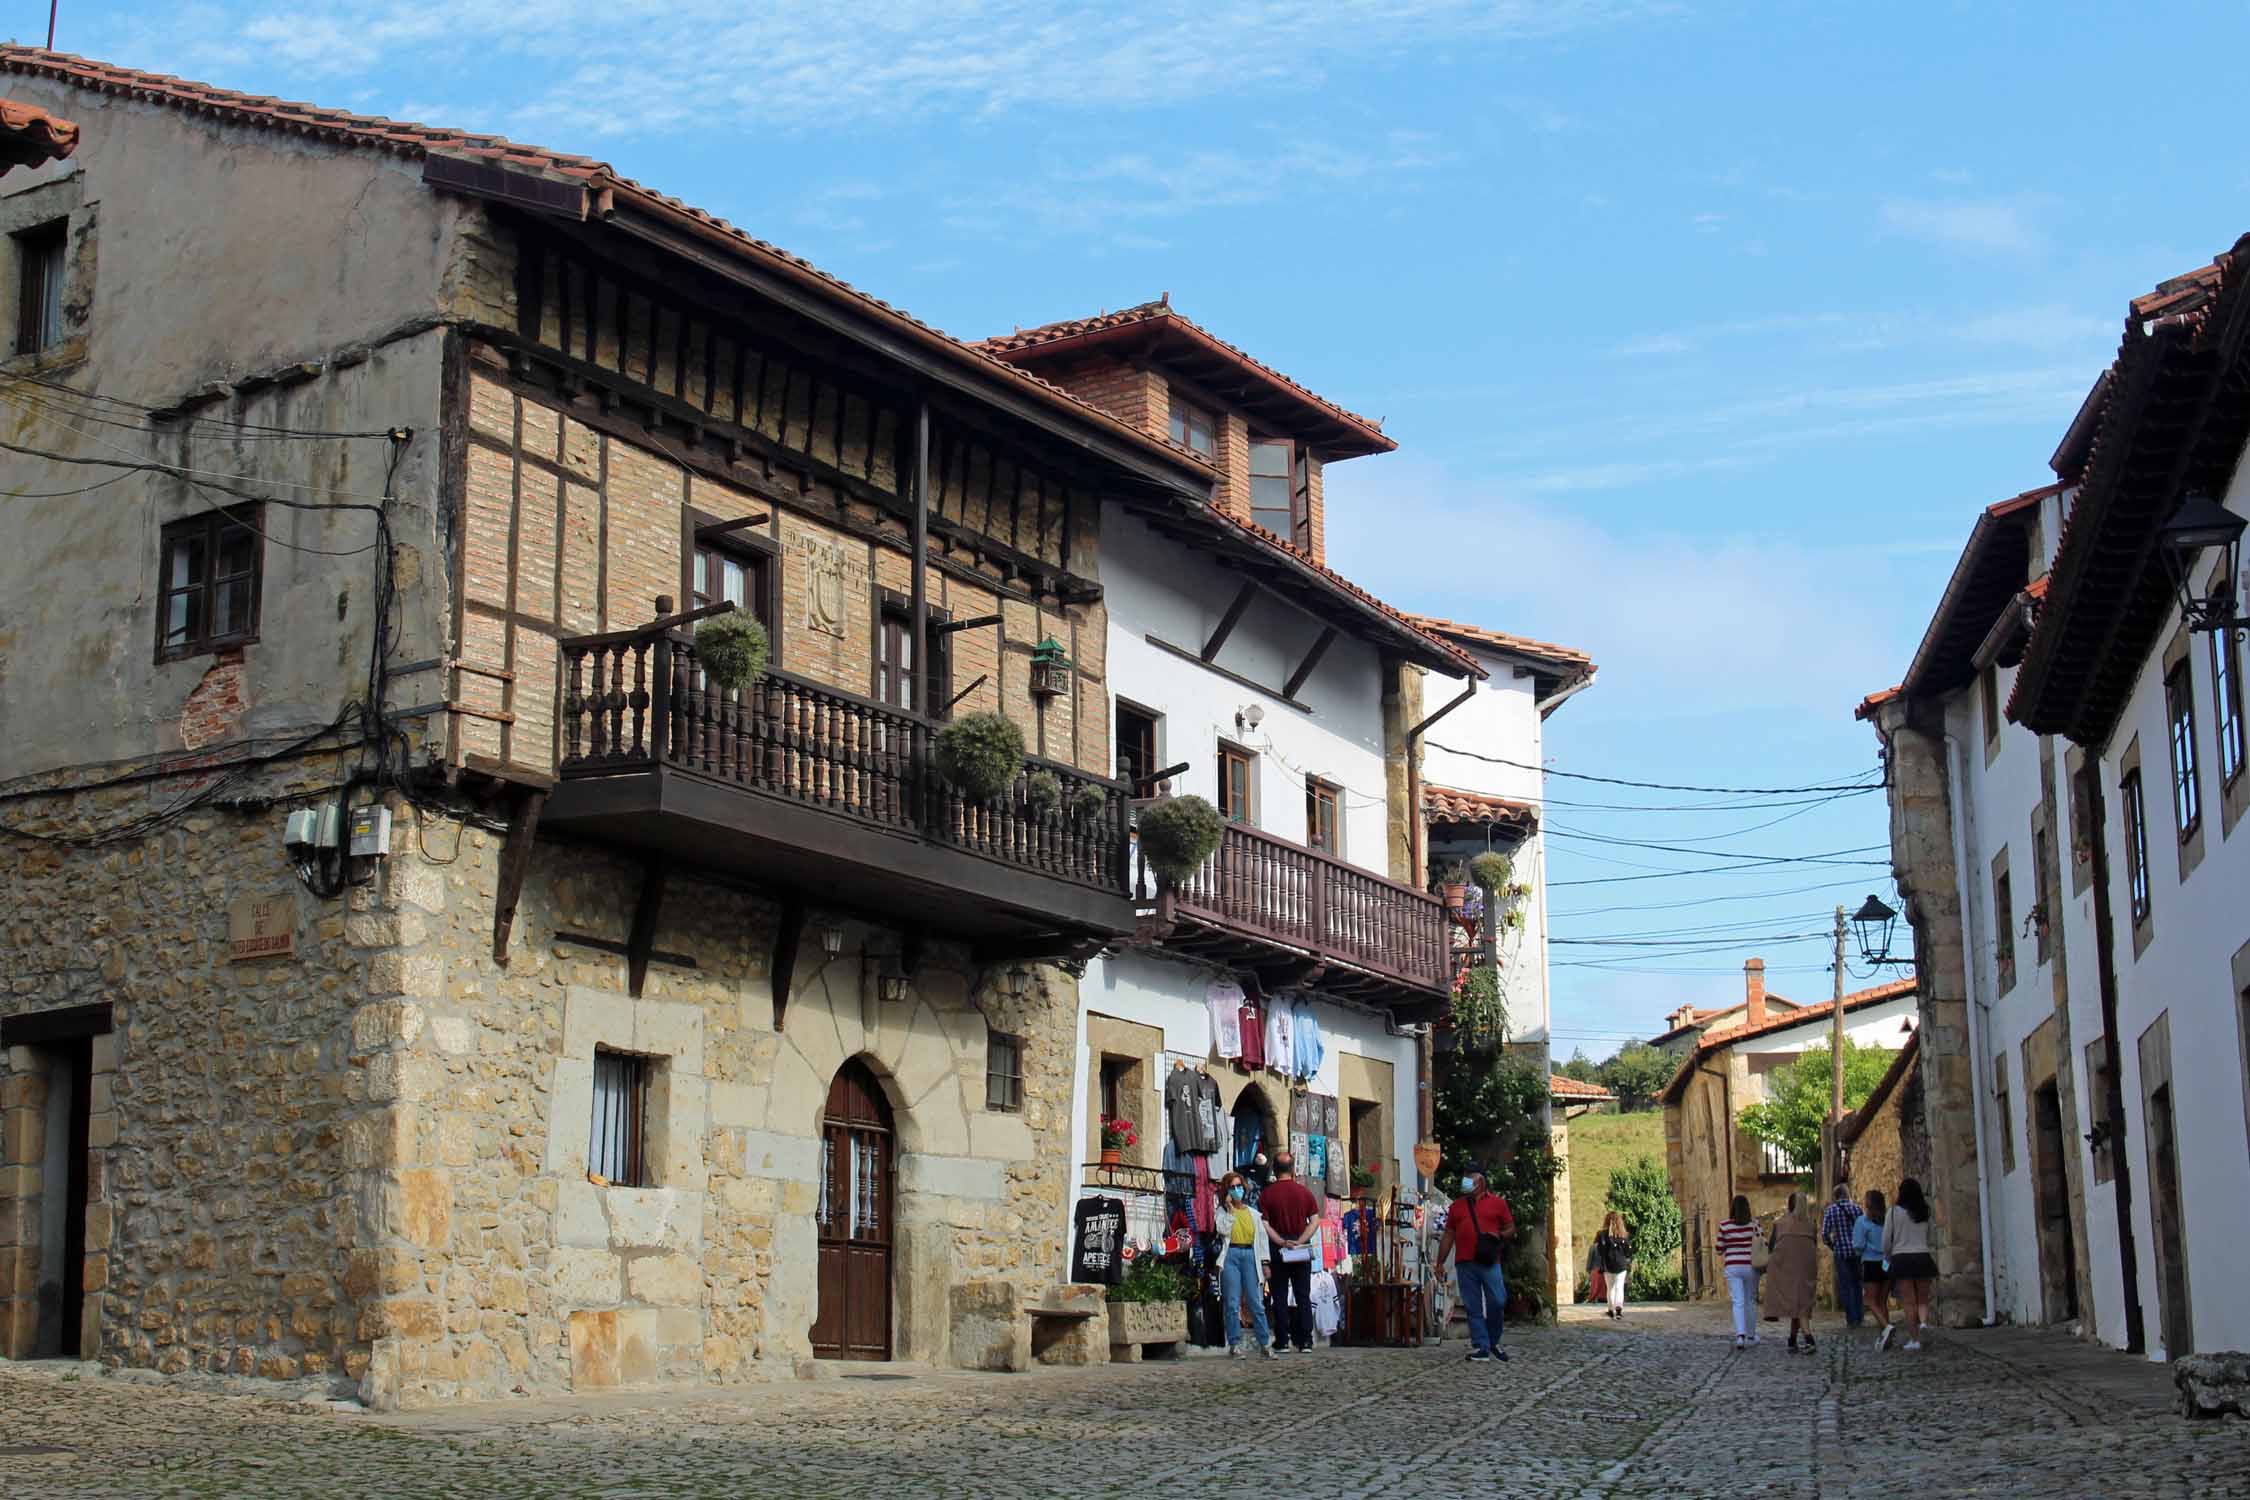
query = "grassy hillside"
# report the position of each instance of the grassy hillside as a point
(1599, 1144)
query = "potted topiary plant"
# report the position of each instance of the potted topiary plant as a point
(1090, 801)
(1453, 885)
(1178, 834)
(1043, 793)
(980, 755)
(732, 648)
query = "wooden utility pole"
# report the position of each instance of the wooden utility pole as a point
(1836, 1042)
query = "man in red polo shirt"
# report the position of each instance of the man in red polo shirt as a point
(1292, 1218)
(1484, 1291)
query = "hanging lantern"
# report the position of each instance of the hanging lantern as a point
(1050, 670)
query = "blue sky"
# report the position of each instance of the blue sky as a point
(1704, 328)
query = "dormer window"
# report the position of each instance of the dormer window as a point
(1280, 491)
(1193, 428)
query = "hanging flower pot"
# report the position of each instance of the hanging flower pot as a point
(1043, 793)
(980, 755)
(1178, 834)
(1456, 894)
(732, 648)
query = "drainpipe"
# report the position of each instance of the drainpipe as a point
(2105, 965)
(1417, 840)
(919, 621)
(1966, 890)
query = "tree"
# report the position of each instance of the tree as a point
(1581, 1068)
(1798, 1097)
(1637, 1074)
(1641, 1194)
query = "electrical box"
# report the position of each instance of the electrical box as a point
(311, 828)
(371, 832)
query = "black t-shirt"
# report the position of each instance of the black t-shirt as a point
(1098, 1255)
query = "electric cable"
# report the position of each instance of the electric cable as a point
(1664, 786)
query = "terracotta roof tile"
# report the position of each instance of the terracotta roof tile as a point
(1559, 1087)
(30, 135)
(1873, 701)
(1803, 1015)
(1026, 342)
(1447, 804)
(412, 140)
(1520, 645)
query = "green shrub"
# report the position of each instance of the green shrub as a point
(1090, 801)
(1042, 793)
(1151, 1280)
(732, 648)
(980, 755)
(1178, 834)
(1643, 1197)
(1491, 871)
(1480, 1012)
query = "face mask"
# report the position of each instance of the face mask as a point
(1235, 1192)
(1471, 1184)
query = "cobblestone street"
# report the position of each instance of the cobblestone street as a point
(1658, 1407)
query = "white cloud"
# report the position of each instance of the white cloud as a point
(1984, 226)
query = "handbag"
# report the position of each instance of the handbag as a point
(1761, 1251)
(1597, 1284)
(1488, 1245)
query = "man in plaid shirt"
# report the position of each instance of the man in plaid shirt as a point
(1836, 1233)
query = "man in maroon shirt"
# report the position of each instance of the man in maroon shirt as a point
(1292, 1218)
(1483, 1290)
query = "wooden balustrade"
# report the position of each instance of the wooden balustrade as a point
(1267, 887)
(634, 701)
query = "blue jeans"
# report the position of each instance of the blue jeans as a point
(1850, 1294)
(1238, 1283)
(1483, 1293)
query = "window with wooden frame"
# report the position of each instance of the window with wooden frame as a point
(1988, 688)
(1117, 1096)
(1136, 746)
(2226, 682)
(1323, 828)
(2004, 929)
(2007, 1114)
(40, 264)
(2042, 887)
(1237, 784)
(1278, 489)
(739, 567)
(2097, 1110)
(617, 1147)
(2179, 721)
(208, 582)
(1003, 1071)
(2136, 844)
(1193, 427)
(894, 656)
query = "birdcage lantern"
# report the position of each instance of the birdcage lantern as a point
(1050, 670)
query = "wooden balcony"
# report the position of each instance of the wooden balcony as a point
(825, 797)
(1297, 916)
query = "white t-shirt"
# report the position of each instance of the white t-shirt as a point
(1225, 999)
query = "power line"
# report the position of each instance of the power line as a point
(184, 423)
(1664, 786)
(1795, 890)
(1809, 859)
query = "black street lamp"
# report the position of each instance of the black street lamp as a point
(1874, 921)
(2201, 522)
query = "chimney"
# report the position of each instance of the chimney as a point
(1680, 1017)
(1754, 992)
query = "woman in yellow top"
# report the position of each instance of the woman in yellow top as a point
(1242, 1274)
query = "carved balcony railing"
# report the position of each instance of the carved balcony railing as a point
(634, 701)
(1266, 888)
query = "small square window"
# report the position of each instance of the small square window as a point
(39, 286)
(1003, 1072)
(1322, 827)
(1237, 785)
(1194, 428)
(617, 1149)
(208, 586)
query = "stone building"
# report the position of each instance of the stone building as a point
(1708, 1156)
(2067, 753)
(457, 990)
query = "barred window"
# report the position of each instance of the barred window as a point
(620, 1118)
(1003, 1072)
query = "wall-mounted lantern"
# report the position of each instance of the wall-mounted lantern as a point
(2199, 524)
(1050, 670)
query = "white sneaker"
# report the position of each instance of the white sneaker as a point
(1272, 1352)
(1234, 1351)
(1883, 1340)
(1740, 1342)
(1913, 1346)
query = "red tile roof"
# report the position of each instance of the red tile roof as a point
(1446, 804)
(1803, 1015)
(1563, 657)
(29, 135)
(1559, 1087)
(1873, 701)
(404, 138)
(1056, 338)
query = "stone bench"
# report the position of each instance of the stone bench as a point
(996, 1327)
(2213, 1385)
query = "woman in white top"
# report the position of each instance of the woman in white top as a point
(1913, 1270)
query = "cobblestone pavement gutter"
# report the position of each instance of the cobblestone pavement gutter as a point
(1657, 1407)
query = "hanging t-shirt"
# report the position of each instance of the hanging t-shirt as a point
(1179, 1110)
(1281, 1042)
(1253, 1035)
(1359, 1225)
(1304, 1036)
(1209, 1116)
(1098, 1248)
(1315, 1165)
(1224, 997)
(1339, 1167)
(1327, 1304)
(1206, 1200)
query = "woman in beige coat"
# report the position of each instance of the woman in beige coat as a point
(1792, 1269)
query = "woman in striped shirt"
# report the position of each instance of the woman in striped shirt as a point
(1738, 1232)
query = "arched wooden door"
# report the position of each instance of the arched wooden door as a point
(858, 1153)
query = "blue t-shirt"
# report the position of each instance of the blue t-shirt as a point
(1867, 1238)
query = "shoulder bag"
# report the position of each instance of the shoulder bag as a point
(1488, 1245)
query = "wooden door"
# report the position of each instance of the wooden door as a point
(858, 1155)
(2171, 1241)
(2058, 1248)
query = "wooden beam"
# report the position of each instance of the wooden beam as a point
(783, 971)
(1304, 670)
(948, 627)
(720, 528)
(1184, 654)
(1228, 621)
(515, 864)
(641, 942)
